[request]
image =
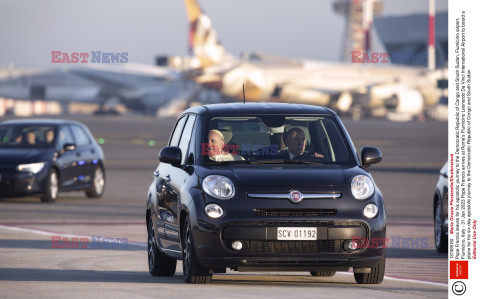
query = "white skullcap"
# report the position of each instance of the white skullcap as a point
(217, 132)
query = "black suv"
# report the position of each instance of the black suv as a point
(264, 187)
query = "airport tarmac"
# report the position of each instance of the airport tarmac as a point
(413, 154)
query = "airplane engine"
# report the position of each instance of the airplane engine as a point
(396, 101)
(408, 101)
(404, 105)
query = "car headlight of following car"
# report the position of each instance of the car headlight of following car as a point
(362, 187)
(32, 167)
(218, 186)
(370, 210)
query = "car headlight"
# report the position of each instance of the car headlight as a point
(362, 187)
(370, 210)
(32, 167)
(214, 211)
(218, 186)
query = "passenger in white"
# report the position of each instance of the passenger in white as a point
(216, 143)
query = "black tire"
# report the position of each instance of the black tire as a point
(325, 273)
(50, 193)
(375, 276)
(98, 183)
(441, 239)
(193, 272)
(158, 263)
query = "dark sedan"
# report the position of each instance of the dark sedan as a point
(264, 187)
(45, 157)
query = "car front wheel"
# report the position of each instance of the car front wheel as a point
(193, 272)
(51, 187)
(158, 263)
(98, 183)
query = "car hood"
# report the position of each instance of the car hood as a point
(285, 175)
(10, 157)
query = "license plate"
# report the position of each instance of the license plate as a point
(296, 233)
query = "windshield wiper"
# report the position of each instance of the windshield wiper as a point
(286, 162)
(228, 162)
(266, 162)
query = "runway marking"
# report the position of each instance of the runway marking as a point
(399, 278)
(73, 222)
(51, 233)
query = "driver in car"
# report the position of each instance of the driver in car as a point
(30, 138)
(49, 136)
(295, 141)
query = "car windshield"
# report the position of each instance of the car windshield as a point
(27, 136)
(274, 139)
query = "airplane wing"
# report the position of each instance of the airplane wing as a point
(139, 87)
(138, 69)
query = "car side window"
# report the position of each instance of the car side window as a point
(64, 137)
(186, 136)
(177, 132)
(80, 136)
(192, 148)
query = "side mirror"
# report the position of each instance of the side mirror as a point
(69, 147)
(171, 155)
(371, 155)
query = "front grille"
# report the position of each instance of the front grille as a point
(302, 223)
(295, 212)
(270, 246)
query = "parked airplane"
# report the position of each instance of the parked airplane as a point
(142, 88)
(346, 87)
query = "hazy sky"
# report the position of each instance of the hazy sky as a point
(31, 29)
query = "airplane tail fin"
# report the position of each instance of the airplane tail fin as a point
(203, 42)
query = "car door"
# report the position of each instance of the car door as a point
(174, 178)
(84, 152)
(165, 193)
(66, 160)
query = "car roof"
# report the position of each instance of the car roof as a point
(54, 122)
(257, 108)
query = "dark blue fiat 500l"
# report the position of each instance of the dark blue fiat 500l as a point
(264, 187)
